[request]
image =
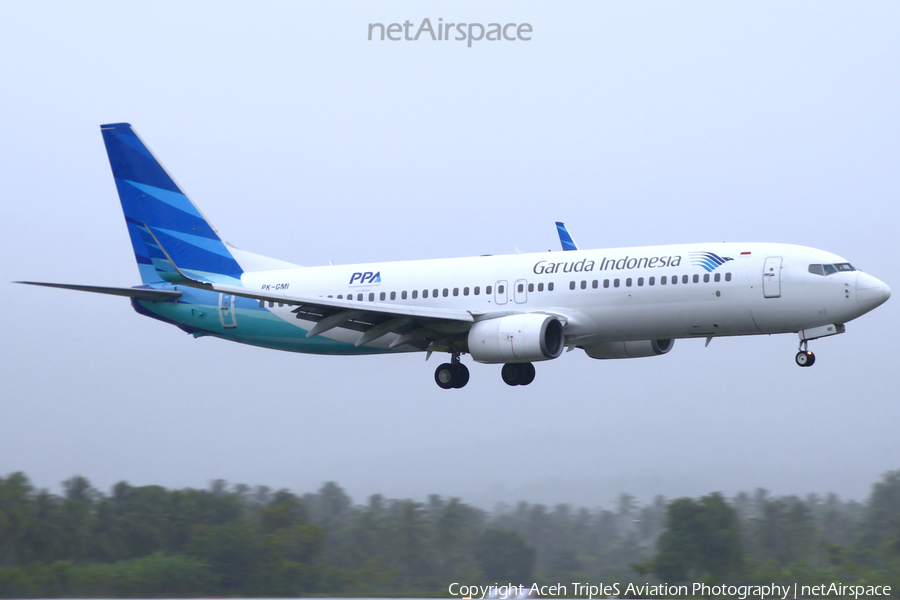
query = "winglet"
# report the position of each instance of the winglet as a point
(185, 278)
(564, 238)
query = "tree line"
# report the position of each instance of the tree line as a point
(234, 540)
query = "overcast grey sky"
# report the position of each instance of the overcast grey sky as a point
(635, 123)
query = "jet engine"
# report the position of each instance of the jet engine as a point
(516, 338)
(634, 349)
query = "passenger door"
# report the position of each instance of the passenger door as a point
(772, 277)
(520, 291)
(501, 293)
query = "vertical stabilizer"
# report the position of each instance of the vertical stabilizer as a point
(153, 202)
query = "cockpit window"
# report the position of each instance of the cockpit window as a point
(830, 269)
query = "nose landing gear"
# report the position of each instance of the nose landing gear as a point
(805, 357)
(451, 375)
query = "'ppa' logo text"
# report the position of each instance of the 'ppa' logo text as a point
(365, 278)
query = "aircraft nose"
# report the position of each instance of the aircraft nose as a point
(871, 292)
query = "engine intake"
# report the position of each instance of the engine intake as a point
(516, 338)
(635, 349)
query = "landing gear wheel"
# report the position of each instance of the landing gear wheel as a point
(510, 374)
(443, 376)
(517, 373)
(805, 358)
(449, 376)
(462, 376)
(526, 372)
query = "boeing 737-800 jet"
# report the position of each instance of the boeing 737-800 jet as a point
(512, 310)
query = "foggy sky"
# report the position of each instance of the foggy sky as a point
(635, 123)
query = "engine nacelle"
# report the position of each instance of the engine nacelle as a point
(635, 349)
(516, 338)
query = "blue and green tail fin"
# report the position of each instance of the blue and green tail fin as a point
(159, 213)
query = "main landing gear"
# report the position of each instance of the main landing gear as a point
(517, 373)
(451, 375)
(454, 374)
(805, 357)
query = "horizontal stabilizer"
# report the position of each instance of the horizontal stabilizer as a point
(139, 293)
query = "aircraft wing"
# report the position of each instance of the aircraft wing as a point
(417, 326)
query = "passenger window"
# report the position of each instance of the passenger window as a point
(359, 297)
(718, 277)
(615, 283)
(340, 296)
(330, 296)
(640, 281)
(674, 279)
(381, 296)
(606, 283)
(521, 287)
(262, 303)
(403, 295)
(662, 280)
(628, 282)
(371, 296)
(540, 287)
(696, 279)
(465, 291)
(478, 290)
(829, 269)
(456, 291)
(424, 293)
(684, 278)
(446, 292)
(651, 281)
(571, 285)
(706, 278)
(434, 293)
(500, 289)
(550, 287)
(594, 284)
(487, 290)
(530, 287)
(727, 276)
(271, 304)
(583, 284)
(415, 294)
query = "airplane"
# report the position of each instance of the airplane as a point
(510, 310)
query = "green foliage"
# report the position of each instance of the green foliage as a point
(236, 541)
(504, 556)
(156, 575)
(701, 539)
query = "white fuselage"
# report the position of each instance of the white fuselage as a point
(616, 294)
